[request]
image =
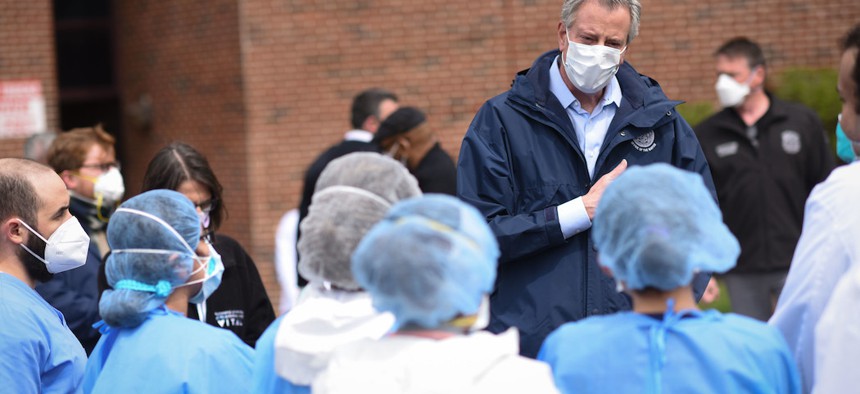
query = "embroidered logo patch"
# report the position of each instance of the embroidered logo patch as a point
(645, 142)
(790, 142)
(726, 149)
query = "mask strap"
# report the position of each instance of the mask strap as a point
(32, 231)
(161, 251)
(140, 286)
(438, 226)
(34, 254)
(99, 203)
(87, 177)
(354, 190)
(204, 278)
(160, 221)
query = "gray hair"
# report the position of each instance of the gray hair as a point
(570, 7)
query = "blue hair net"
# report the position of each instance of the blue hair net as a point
(146, 279)
(655, 225)
(431, 259)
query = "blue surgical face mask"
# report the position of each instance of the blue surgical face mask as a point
(844, 148)
(214, 272)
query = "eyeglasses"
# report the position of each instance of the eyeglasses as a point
(206, 206)
(104, 167)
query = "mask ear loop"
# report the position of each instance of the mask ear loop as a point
(32, 231)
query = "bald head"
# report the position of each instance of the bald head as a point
(20, 182)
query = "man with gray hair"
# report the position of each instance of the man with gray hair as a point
(536, 159)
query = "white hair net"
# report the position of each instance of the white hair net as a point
(431, 259)
(132, 231)
(352, 194)
(656, 225)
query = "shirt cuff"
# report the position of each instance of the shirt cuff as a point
(573, 218)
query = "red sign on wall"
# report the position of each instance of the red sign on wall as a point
(22, 109)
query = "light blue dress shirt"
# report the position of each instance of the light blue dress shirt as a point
(591, 129)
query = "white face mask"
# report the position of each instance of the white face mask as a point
(65, 249)
(730, 92)
(109, 186)
(591, 67)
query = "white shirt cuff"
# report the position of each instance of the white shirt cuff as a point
(573, 218)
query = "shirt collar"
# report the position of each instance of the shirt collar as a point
(358, 135)
(612, 94)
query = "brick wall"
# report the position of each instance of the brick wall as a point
(27, 52)
(261, 87)
(303, 61)
(183, 56)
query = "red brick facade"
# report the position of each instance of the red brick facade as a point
(27, 53)
(261, 87)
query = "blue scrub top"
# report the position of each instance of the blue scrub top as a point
(169, 353)
(38, 352)
(266, 380)
(695, 352)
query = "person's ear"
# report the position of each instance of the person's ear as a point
(14, 231)
(624, 54)
(404, 142)
(758, 76)
(69, 179)
(371, 123)
(562, 36)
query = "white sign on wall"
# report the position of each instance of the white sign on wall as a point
(22, 108)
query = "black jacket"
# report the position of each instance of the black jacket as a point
(436, 173)
(240, 304)
(762, 183)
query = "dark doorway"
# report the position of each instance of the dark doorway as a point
(85, 65)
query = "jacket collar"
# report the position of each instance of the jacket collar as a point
(643, 102)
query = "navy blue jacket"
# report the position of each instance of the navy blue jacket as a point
(520, 159)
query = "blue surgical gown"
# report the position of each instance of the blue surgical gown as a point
(266, 380)
(38, 352)
(169, 353)
(689, 352)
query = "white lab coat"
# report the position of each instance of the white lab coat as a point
(404, 364)
(286, 260)
(324, 320)
(828, 247)
(837, 338)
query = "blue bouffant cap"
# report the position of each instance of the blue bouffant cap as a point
(153, 237)
(431, 259)
(656, 225)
